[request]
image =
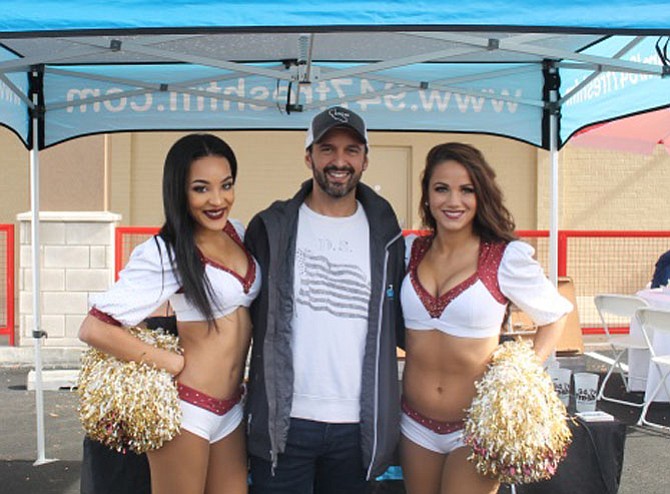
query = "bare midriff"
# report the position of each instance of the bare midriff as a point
(441, 371)
(214, 359)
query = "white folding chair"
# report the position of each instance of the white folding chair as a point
(622, 306)
(655, 321)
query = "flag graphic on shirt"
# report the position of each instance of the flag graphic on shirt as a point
(337, 288)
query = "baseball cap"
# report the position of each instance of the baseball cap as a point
(336, 116)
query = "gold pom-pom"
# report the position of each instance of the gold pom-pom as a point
(516, 425)
(129, 405)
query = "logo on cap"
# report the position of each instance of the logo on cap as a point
(336, 116)
(339, 115)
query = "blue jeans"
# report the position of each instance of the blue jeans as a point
(320, 458)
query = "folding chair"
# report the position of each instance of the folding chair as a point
(621, 306)
(655, 321)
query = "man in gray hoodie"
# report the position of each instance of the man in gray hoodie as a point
(323, 405)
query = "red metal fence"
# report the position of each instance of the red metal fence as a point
(126, 238)
(608, 262)
(596, 261)
(7, 282)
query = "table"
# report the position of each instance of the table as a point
(593, 463)
(104, 471)
(640, 368)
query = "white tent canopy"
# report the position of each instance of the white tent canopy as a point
(536, 73)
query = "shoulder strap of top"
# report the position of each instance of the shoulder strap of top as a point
(419, 248)
(490, 256)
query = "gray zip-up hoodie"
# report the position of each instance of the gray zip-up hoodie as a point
(271, 238)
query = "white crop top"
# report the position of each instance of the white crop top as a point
(476, 307)
(148, 280)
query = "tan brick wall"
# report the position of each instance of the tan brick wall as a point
(72, 176)
(607, 190)
(598, 189)
(271, 166)
(629, 191)
(15, 181)
(513, 161)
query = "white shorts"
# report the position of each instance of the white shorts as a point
(209, 425)
(430, 440)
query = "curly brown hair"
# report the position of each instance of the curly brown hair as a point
(493, 221)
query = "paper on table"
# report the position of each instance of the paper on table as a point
(596, 416)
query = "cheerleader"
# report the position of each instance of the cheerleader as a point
(459, 281)
(198, 264)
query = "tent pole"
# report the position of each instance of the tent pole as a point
(38, 334)
(552, 361)
(554, 113)
(553, 220)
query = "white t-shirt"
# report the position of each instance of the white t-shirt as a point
(330, 319)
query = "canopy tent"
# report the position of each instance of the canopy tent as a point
(487, 68)
(536, 74)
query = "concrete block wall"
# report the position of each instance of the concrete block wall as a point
(76, 258)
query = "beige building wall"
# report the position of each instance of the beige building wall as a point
(271, 166)
(71, 176)
(122, 173)
(513, 161)
(607, 190)
(14, 177)
(622, 191)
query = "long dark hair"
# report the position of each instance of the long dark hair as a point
(493, 221)
(178, 231)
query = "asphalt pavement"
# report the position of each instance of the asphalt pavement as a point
(18, 438)
(645, 468)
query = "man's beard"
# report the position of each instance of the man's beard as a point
(336, 190)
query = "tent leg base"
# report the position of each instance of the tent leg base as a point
(44, 461)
